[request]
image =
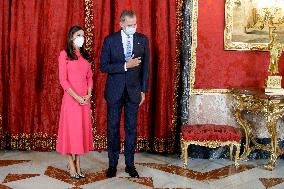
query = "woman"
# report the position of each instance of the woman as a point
(75, 75)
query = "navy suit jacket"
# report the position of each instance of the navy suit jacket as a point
(112, 62)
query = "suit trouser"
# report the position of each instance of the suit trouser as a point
(130, 129)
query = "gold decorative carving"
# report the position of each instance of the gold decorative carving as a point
(210, 144)
(275, 49)
(272, 108)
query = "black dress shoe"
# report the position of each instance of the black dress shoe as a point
(132, 171)
(111, 172)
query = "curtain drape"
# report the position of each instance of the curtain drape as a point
(160, 22)
(32, 35)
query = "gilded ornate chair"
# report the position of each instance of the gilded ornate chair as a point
(211, 136)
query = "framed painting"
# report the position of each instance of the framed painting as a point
(243, 31)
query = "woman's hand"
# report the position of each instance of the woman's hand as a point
(81, 100)
(87, 98)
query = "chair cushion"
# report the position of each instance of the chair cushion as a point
(210, 132)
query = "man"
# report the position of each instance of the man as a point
(125, 57)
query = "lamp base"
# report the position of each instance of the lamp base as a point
(273, 82)
(273, 85)
(270, 91)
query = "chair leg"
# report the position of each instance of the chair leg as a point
(237, 155)
(231, 151)
(185, 154)
(182, 150)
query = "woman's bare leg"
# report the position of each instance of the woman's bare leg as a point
(71, 165)
(78, 166)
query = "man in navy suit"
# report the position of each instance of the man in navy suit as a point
(125, 58)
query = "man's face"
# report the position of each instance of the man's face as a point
(129, 22)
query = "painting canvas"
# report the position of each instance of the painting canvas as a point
(242, 30)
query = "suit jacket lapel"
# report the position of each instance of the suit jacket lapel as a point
(120, 46)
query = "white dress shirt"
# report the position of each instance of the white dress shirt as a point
(124, 42)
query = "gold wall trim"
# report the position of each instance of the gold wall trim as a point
(192, 90)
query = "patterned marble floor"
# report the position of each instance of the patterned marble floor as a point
(47, 170)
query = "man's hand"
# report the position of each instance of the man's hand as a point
(133, 62)
(142, 98)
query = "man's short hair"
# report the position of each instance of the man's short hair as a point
(129, 13)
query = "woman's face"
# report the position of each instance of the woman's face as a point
(79, 33)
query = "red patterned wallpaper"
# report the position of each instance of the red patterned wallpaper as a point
(220, 69)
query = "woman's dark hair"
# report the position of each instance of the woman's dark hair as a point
(70, 47)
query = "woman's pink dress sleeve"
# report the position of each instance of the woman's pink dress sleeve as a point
(63, 78)
(90, 77)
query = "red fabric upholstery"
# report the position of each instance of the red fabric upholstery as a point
(209, 132)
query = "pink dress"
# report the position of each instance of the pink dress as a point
(75, 129)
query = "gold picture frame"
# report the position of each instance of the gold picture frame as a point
(241, 27)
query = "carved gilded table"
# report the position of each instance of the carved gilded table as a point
(272, 108)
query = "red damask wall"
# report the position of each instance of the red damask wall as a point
(220, 69)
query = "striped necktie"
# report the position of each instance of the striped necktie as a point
(128, 49)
